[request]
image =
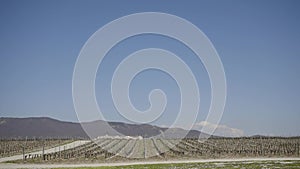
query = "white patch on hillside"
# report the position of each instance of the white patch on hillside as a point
(221, 130)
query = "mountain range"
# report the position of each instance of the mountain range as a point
(44, 127)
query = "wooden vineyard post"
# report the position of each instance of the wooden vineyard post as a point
(43, 152)
(59, 149)
(23, 152)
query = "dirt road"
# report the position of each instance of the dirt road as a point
(38, 166)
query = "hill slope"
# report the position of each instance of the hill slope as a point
(44, 127)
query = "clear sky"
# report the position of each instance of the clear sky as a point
(258, 43)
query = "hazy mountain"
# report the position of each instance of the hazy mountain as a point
(44, 127)
(38, 127)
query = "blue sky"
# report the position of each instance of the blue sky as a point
(258, 43)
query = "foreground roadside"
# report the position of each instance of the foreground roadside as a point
(212, 163)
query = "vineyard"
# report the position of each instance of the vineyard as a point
(11, 147)
(125, 148)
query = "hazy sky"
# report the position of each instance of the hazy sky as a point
(258, 43)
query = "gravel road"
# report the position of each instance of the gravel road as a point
(39, 166)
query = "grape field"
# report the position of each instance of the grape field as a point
(129, 148)
(11, 147)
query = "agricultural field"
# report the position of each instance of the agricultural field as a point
(9, 147)
(116, 149)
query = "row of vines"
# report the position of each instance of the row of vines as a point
(116, 148)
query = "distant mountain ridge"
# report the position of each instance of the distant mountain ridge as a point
(45, 127)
